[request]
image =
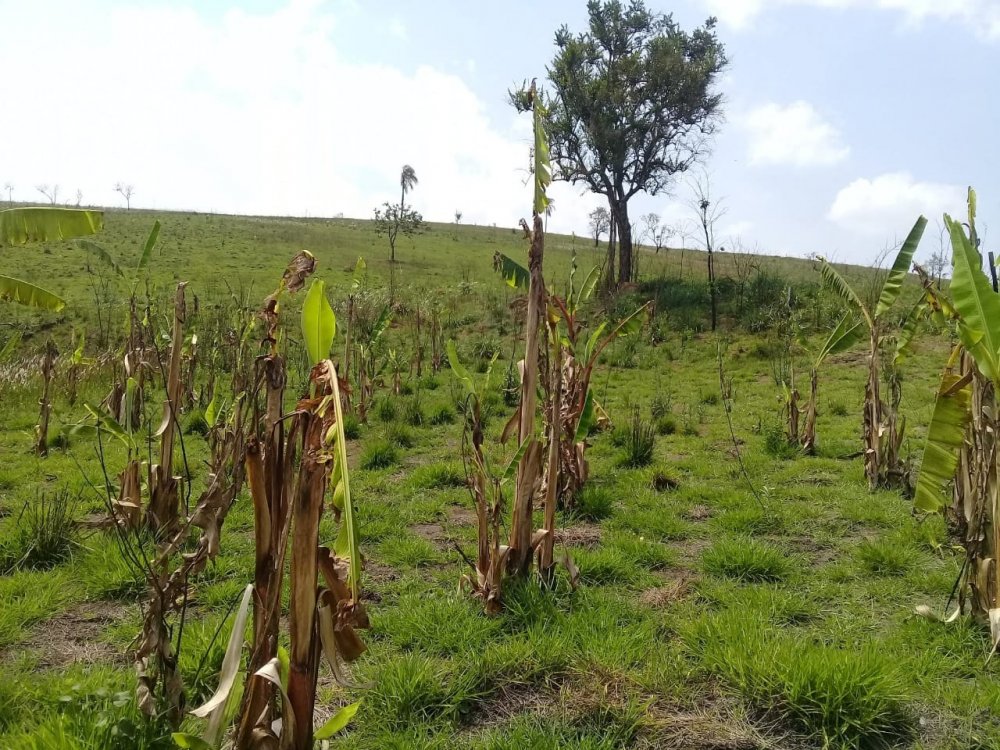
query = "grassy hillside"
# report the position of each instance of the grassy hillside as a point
(733, 593)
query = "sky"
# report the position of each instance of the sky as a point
(844, 119)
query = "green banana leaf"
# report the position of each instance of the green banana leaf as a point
(900, 267)
(839, 284)
(944, 441)
(15, 290)
(19, 226)
(977, 304)
(847, 333)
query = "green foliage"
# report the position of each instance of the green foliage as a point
(379, 454)
(413, 412)
(442, 415)
(438, 476)
(352, 427)
(639, 443)
(595, 502)
(44, 535)
(385, 409)
(746, 559)
(885, 557)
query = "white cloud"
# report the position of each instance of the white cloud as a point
(397, 29)
(256, 112)
(982, 16)
(795, 135)
(887, 205)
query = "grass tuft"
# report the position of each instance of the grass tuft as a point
(380, 454)
(745, 559)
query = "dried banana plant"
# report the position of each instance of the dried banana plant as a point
(49, 356)
(577, 351)
(959, 475)
(291, 464)
(880, 431)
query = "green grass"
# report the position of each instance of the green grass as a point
(791, 624)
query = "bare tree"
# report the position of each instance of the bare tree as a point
(79, 197)
(458, 216)
(10, 192)
(126, 191)
(657, 233)
(52, 194)
(708, 212)
(600, 223)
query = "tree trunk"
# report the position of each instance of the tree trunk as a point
(609, 275)
(873, 417)
(809, 433)
(620, 216)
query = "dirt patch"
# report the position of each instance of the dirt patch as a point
(432, 532)
(74, 636)
(817, 553)
(461, 515)
(698, 513)
(582, 535)
(691, 549)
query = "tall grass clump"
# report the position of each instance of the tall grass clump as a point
(745, 559)
(380, 454)
(44, 534)
(638, 443)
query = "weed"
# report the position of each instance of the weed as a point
(666, 425)
(352, 426)
(442, 415)
(885, 557)
(380, 454)
(776, 442)
(385, 409)
(413, 412)
(44, 535)
(745, 559)
(438, 476)
(639, 443)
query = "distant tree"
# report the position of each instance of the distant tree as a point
(51, 194)
(632, 104)
(458, 216)
(658, 234)
(407, 181)
(393, 220)
(126, 191)
(79, 197)
(600, 222)
(550, 208)
(10, 192)
(708, 212)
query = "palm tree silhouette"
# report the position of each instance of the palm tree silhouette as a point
(407, 181)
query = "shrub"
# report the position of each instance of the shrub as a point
(385, 409)
(776, 442)
(381, 454)
(413, 412)
(666, 425)
(639, 443)
(399, 435)
(594, 503)
(352, 426)
(745, 559)
(661, 406)
(883, 557)
(44, 535)
(196, 424)
(443, 414)
(842, 699)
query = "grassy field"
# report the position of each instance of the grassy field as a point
(717, 607)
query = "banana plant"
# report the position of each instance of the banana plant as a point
(880, 432)
(20, 226)
(959, 471)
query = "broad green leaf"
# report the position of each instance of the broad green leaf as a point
(381, 324)
(511, 469)
(360, 271)
(909, 329)
(588, 417)
(514, 273)
(15, 290)
(19, 226)
(900, 267)
(456, 367)
(147, 249)
(543, 167)
(589, 284)
(588, 351)
(837, 282)
(847, 333)
(337, 722)
(976, 302)
(945, 436)
(626, 327)
(319, 324)
(190, 742)
(94, 249)
(9, 347)
(210, 412)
